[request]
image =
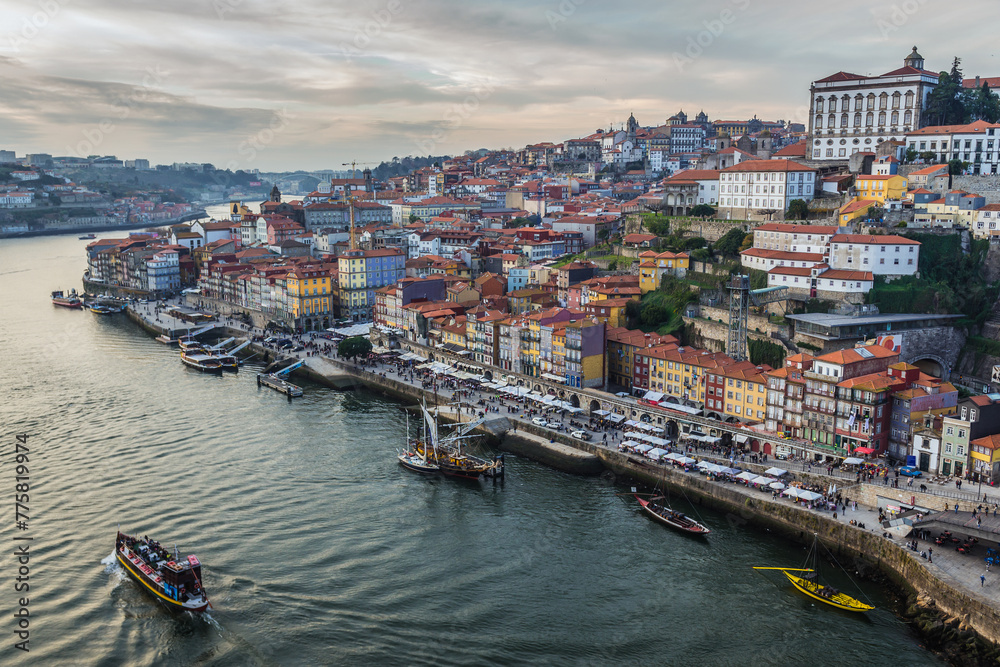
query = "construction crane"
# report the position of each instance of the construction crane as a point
(349, 195)
(741, 297)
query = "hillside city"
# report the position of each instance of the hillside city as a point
(833, 282)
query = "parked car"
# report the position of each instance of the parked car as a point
(555, 426)
(580, 435)
(909, 471)
(538, 421)
(781, 457)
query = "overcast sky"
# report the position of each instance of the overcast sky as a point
(290, 84)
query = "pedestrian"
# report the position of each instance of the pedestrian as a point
(930, 554)
(982, 580)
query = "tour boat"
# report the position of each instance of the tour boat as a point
(102, 309)
(203, 362)
(88, 237)
(175, 582)
(71, 300)
(807, 584)
(189, 344)
(229, 362)
(672, 518)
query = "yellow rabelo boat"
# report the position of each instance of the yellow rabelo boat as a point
(821, 592)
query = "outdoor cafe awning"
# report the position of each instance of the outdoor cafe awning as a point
(741, 438)
(864, 450)
(601, 413)
(775, 472)
(617, 418)
(853, 461)
(653, 396)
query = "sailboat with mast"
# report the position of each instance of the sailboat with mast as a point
(415, 460)
(808, 583)
(448, 453)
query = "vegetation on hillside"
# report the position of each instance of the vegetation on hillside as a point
(662, 309)
(950, 282)
(765, 352)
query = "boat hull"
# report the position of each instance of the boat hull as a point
(190, 363)
(838, 600)
(416, 464)
(686, 525)
(155, 589)
(68, 303)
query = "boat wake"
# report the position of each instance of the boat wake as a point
(112, 567)
(207, 617)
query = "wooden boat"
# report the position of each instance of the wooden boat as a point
(166, 340)
(88, 237)
(71, 300)
(101, 309)
(808, 585)
(203, 362)
(190, 344)
(672, 518)
(176, 583)
(411, 460)
(228, 361)
(448, 454)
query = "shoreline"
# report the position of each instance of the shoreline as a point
(93, 229)
(957, 624)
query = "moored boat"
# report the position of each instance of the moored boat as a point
(176, 583)
(102, 309)
(228, 362)
(87, 237)
(448, 455)
(71, 300)
(190, 344)
(203, 362)
(413, 461)
(672, 518)
(808, 584)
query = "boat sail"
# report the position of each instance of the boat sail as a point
(807, 584)
(415, 460)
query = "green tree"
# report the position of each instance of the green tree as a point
(765, 352)
(613, 265)
(911, 155)
(355, 346)
(982, 104)
(414, 218)
(928, 156)
(701, 255)
(693, 243)
(703, 211)
(729, 244)
(798, 209)
(945, 103)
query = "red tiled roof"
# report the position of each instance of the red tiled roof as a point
(889, 239)
(840, 76)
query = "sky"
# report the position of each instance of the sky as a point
(304, 84)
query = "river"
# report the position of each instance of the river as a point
(319, 549)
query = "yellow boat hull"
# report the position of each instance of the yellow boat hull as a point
(838, 600)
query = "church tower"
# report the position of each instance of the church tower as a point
(914, 60)
(764, 144)
(275, 194)
(632, 128)
(722, 141)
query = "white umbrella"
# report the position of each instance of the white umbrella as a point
(775, 472)
(763, 480)
(791, 491)
(809, 495)
(776, 485)
(746, 475)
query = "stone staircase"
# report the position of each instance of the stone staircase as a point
(784, 340)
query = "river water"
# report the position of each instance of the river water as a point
(319, 549)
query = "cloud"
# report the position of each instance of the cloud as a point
(395, 72)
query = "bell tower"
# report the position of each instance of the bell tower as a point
(914, 60)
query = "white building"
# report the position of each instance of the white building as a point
(987, 222)
(881, 255)
(16, 199)
(977, 143)
(850, 112)
(163, 271)
(748, 188)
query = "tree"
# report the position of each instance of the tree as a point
(414, 218)
(729, 244)
(928, 156)
(945, 103)
(798, 209)
(702, 211)
(766, 212)
(693, 243)
(956, 168)
(911, 155)
(355, 346)
(519, 222)
(613, 265)
(982, 104)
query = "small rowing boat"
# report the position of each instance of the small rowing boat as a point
(672, 518)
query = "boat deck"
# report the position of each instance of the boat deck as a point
(279, 384)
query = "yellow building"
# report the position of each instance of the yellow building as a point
(855, 210)
(455, 333)
(608, 311)
(985, 454)
(746, 391)
(940, 210)
(880, 188)
(307, 297)
(653, 266)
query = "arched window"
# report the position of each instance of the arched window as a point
(907, 117)
(832, 120)
(833, 103)
(895, 118)
(883, 101)
(819, 121)
(843, 120)
(819, 105)
(845, 103)
(857, 120)
(895, 99)
(858, 102)
(871, 100)
(881, 119)
(870, 119)
(909, 99)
